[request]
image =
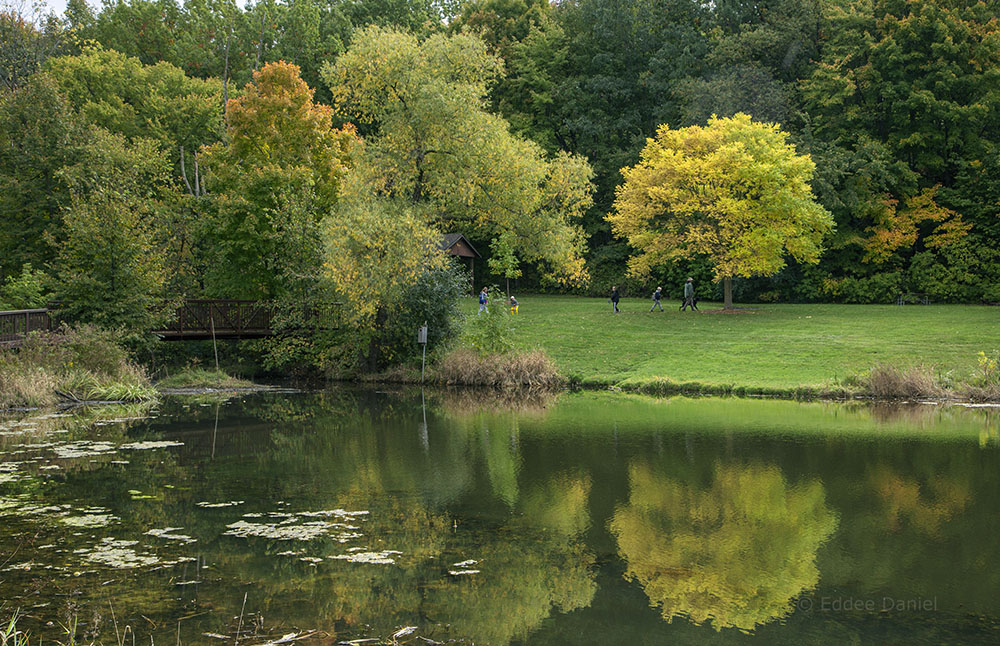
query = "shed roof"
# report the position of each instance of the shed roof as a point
(449, 240)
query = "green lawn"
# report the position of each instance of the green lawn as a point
(771, 347)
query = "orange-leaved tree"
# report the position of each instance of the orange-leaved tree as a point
(734, 191)
(272, 183)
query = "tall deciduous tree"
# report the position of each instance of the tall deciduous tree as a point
(39, 135)
(272, 183)
(27, 38)
(111, 269)
(734, 191)
(431, 143)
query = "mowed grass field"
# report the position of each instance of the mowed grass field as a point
(769, 347)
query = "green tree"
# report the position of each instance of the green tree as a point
(430, 143)
(111, 268)
(39, 135)
(27, 38)
(503, 259)
(24, 291)
(271, 184)
(734, 191)
(157, 101)
(376, 249)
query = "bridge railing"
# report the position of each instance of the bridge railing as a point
(16, 324)
(228, 317)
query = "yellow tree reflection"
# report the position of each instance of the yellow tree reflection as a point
(735, 553)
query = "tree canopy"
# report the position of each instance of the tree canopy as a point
(430, 142)
(734, 191)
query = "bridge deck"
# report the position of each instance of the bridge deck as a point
(195, 319)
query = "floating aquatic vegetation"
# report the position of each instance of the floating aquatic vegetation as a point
(143, 446)
(332, 512)
(21, 506)
(26, 566)
(291, 527)
(311, 559)
(89, 520)
(377, 558)
(215, 505)
(167, 533)
(79, 449)
(117, 553)
(303, 532)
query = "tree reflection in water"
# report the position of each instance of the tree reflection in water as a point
(736, 553)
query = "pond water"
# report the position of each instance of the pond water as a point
(583, 519)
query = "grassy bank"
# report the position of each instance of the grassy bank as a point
(80, 364)
(803, 350)
(194, 377)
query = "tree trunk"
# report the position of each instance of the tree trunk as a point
(508, 290)
(727, 292)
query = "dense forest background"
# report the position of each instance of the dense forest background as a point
(122, 109)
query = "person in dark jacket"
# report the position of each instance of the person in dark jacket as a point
(614, 298)
(656, 299)
(689, 298)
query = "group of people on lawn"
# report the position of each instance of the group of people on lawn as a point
(689, 299)
(484, 302)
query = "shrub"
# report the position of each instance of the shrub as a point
(490, 333)
(984, 385)
(468, 367)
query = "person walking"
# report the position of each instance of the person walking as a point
(513, 304)
(484, 301)
(614, 299)
(689, 295)
(656, 299)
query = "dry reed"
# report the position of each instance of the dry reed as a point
(890, 382)
(465, 367)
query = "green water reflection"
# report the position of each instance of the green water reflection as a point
(588, 518)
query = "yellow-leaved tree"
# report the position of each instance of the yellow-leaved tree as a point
(430, 142)
(735, 191)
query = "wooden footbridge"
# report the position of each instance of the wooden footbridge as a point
(194, 319)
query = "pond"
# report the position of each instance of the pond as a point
(586, 518)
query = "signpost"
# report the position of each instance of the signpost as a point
(422, 340)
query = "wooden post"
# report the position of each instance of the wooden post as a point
(215, 347)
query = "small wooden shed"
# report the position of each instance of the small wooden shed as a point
(457, 244)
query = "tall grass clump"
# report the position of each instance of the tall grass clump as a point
(10, 635)
(466, 367)
(82, 363)
(886, 381)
